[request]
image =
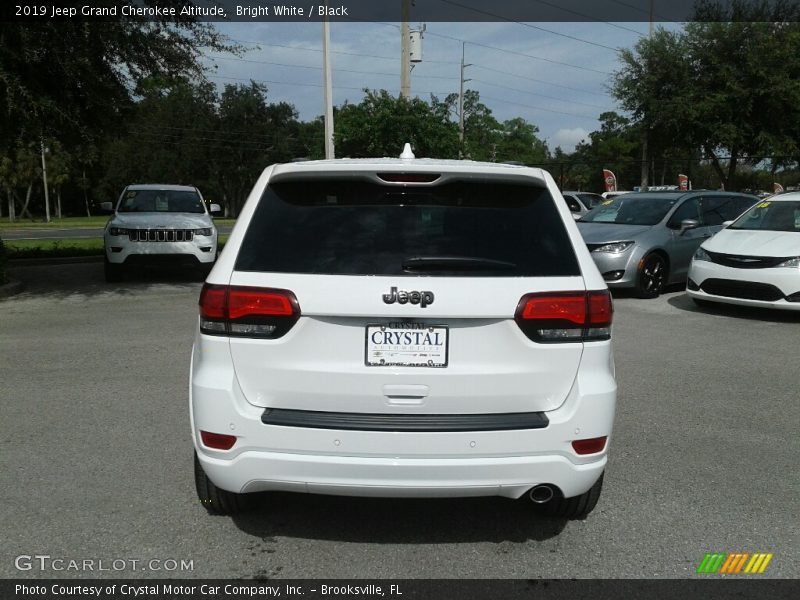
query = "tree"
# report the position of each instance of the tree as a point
(266, 134)
(718, 85)
(73, 78)
(616, 146)
(381, 124)
(518, 142)
(169, 137)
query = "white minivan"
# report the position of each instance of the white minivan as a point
(404, 328)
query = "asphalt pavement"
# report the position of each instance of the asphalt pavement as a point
(96, 457)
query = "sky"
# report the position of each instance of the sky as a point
(554, 75)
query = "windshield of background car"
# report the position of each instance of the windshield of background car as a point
(351, 227)
(174, 201)
(590, 200)
(627, 210)
(781, 215)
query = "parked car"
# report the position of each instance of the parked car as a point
(156, 224)
(580, 203)
(646, 240)
(755, 261)
(403, 327)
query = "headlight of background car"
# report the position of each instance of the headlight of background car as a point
(701, 255)
(204, 231)
(117, 231)
(791, 263)
(614, 248)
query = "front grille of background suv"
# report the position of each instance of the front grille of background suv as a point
(161, 235)
(745, 262)
(748, 290)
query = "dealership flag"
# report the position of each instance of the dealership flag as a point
(611, 180)
(683, 183)
(777, 188)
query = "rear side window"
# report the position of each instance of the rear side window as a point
(718, 209)
(346, 227)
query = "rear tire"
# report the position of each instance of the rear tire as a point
(652, 276)
(215, 500)
(113, 272)
(577, 507)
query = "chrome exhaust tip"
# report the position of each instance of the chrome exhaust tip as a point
(541, 494)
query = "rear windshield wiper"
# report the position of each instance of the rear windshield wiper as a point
(455, 263)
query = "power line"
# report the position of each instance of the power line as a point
(533, 56)
(277, 64)
(154, 132)
(198, 131)
(496, 16)
(341, 87)
(448, 62)
(558, 112)
(580, 14)
(642, 10)
(541, 95)
(558, 85)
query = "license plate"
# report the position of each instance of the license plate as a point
(406, 345)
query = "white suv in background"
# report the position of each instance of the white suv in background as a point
(159, 225)
(404, 328)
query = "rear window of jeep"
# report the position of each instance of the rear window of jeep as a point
(458, 228)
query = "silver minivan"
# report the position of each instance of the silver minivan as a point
(646, 240)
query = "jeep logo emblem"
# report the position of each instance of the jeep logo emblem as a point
(423, 298)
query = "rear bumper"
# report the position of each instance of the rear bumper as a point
(400, 463)
(511, 477)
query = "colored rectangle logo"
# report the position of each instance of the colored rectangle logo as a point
(734, 563)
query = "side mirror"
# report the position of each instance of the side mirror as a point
(215, 209)
(107, 207)
(688, 224)
(726, 223)
(576, 216)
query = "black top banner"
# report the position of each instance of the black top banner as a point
(417, 10)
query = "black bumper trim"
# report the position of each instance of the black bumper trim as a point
(403, 422)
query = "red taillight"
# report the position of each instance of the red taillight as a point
(247, 311)
(600, 309)
(565, 316)
(213, 301)
(243, 301)
(218, 441)
(547, 307)
(590, 446)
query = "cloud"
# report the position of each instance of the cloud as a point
(567, 138)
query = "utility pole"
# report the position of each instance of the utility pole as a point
(405, 51)
(44, 180)
(461, 97)
(645, 163)
(328, 93)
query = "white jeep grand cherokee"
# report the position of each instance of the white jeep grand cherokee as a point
(404, 327)
(159, 224)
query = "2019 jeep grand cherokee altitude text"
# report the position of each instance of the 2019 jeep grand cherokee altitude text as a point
(404, 327)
